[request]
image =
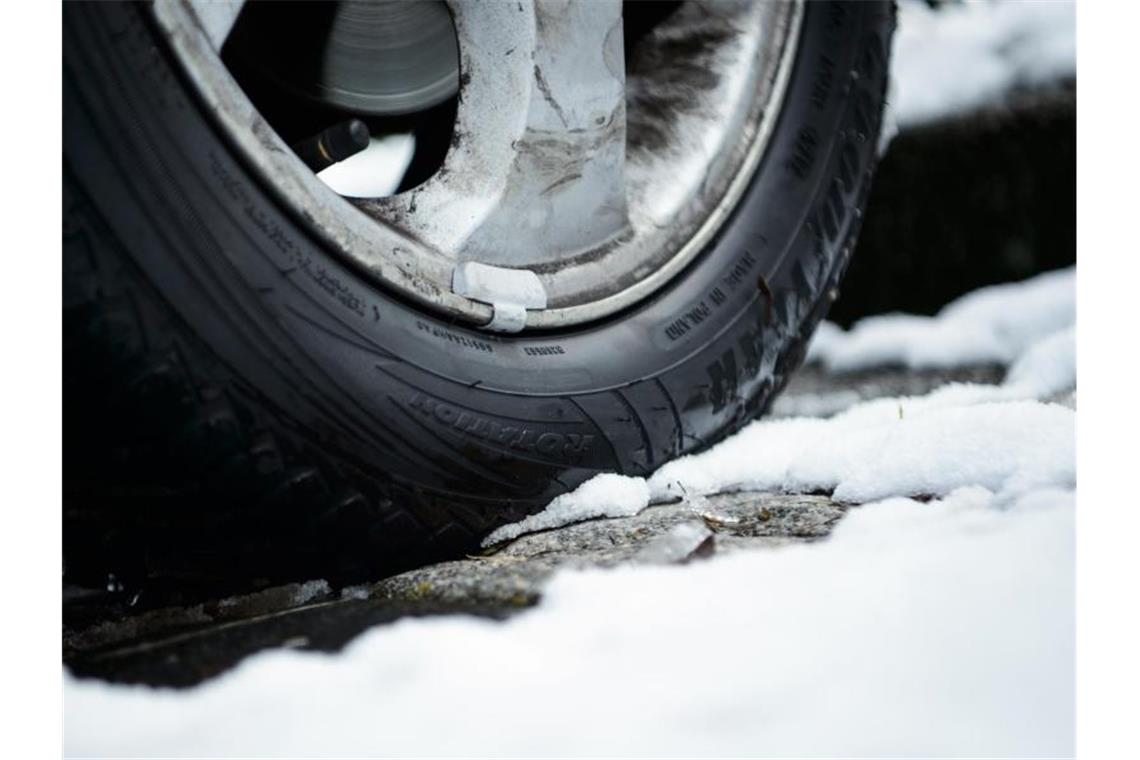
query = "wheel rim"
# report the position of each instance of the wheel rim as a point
(570, 190)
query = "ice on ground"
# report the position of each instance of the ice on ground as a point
(996, 324)
(605, 495)
(962, 56)
(918, 629)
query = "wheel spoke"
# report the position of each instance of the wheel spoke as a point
(537, 168)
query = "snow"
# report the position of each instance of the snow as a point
(918, 629)
(605, 495)
(355, 592)
(814, 404)
(825, 340)
(996, 324)
(311, 590)
(1049, 366)
(966, 55)
(891, 447)
(305, 593)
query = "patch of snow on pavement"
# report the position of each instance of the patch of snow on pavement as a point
(965, 55)
(928, 446)
(1049, 366)
(918, 629)
(605, 495)
(814, 404)
(996, 324)
(824, 340)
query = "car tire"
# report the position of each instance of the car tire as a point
(242, 406)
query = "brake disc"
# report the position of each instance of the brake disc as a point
(369, 58)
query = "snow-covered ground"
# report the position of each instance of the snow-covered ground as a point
(968, 54)
(918, 629)
(937, 626)
(996, 324)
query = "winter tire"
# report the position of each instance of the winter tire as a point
(245, 403)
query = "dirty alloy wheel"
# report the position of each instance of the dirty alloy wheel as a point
(619, 227)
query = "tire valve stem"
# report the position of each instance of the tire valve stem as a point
(333, 145)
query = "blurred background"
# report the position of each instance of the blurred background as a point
(978, 186)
